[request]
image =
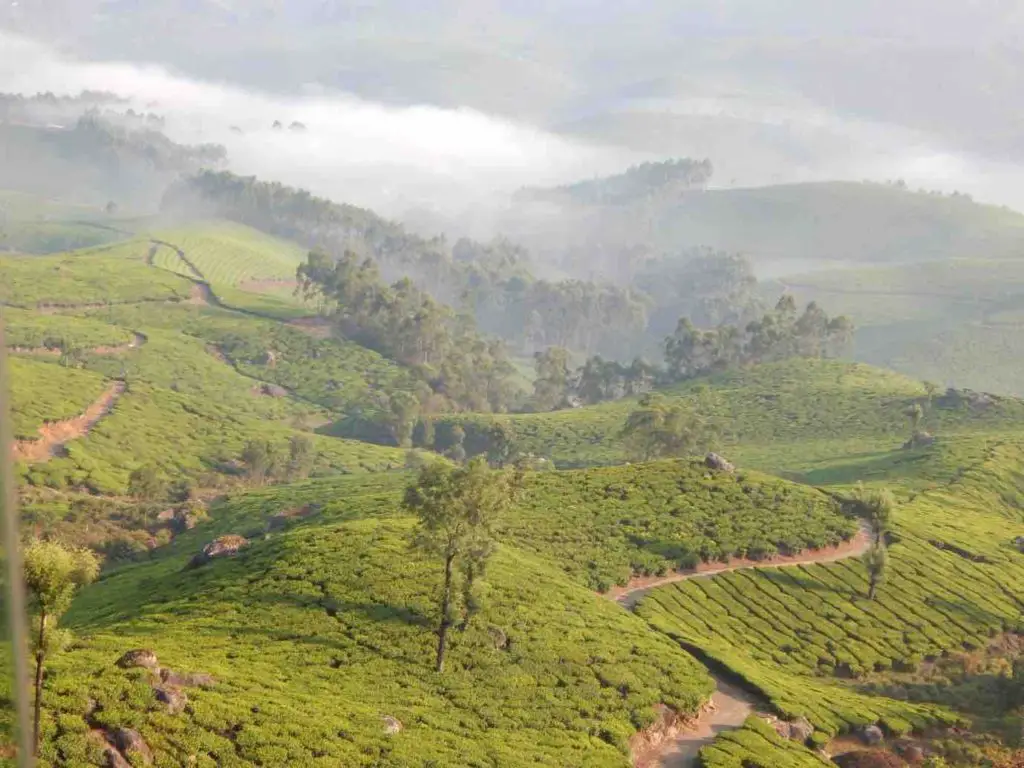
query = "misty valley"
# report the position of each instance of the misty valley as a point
(348, 428)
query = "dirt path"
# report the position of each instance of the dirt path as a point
(678, 745)
(631, 594)
(54, 435)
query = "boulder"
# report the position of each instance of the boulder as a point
(1019, 543)
(392, 725)
(115, 759)
(174, 679)
(139, 657)
(912, 753)
(801, 730)
(172, 697)
(223, 546)
(919, 440)
(273, 390)
(130, 742)
(714, 461)
(871, 735)
(498, 637)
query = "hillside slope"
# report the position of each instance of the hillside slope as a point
(334, 607)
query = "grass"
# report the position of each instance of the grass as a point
(334, 373)
(748, 746)
(229, 254)
(954, 581)
(31, 330)
(955, 322)
(790, 417)
(111, 274)
(42, 392)
(653, 518)
(333, 616)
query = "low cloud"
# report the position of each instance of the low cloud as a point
(351, 150)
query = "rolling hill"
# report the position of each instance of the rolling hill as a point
(622, 596)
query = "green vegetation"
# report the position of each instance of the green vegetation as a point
(953, 581)
(342, 608)
(42, 392)
(755, 744)
(28, 330)
(613, 523)
(98, 276)
(53, 573)
(229, 254)
(799, 415)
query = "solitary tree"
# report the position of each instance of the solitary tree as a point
(876, 559)
(52, 574)
(146, 484)
(261, 460)
(301, 456)
(875, 505)
(458, 510)
(660, 428)
(915, 413)
(500, 439)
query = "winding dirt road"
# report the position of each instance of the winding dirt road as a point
(631, 594)
(56, 434)
(678, 745)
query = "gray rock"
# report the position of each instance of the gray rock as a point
(139, 657)
(392, 725)
(224, 546)
(714, 461)
(919, 440)
(115, 759)
(1019, 543)
(172, 697)
(871, 735)
(186, 679)
(801, 730)
(130, 742)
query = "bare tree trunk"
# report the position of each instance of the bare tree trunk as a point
(446, 621)
(872, 586)
(40, 655)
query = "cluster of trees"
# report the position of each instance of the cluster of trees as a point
(492, 281)
(660, 428)
(556, 385)
(777, 335)
(636, 183)
(462, 369)
(265, 461)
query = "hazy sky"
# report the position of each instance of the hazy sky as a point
(416, 98)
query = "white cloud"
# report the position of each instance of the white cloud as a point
(354, 150)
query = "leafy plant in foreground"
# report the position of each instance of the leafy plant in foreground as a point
(458, 510)
(53, 572)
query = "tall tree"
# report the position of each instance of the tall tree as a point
(876, 506)
(301, 456)
(458, 510)
(914, 414)
(876, 560)
(552, 383)
(53, 572)
(660, 428)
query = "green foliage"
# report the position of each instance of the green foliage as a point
(25, 330)
(802, 415)
(343, 607)
(42, 392)
(98, 276)
(660, 428)
(952, 582)
(146, 484)
(649, 519)
(459, 510)
(404, 323)
(53, 572)
(778, 335)
(757, 745)
(551, 382)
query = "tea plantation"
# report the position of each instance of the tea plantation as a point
(314, 644)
